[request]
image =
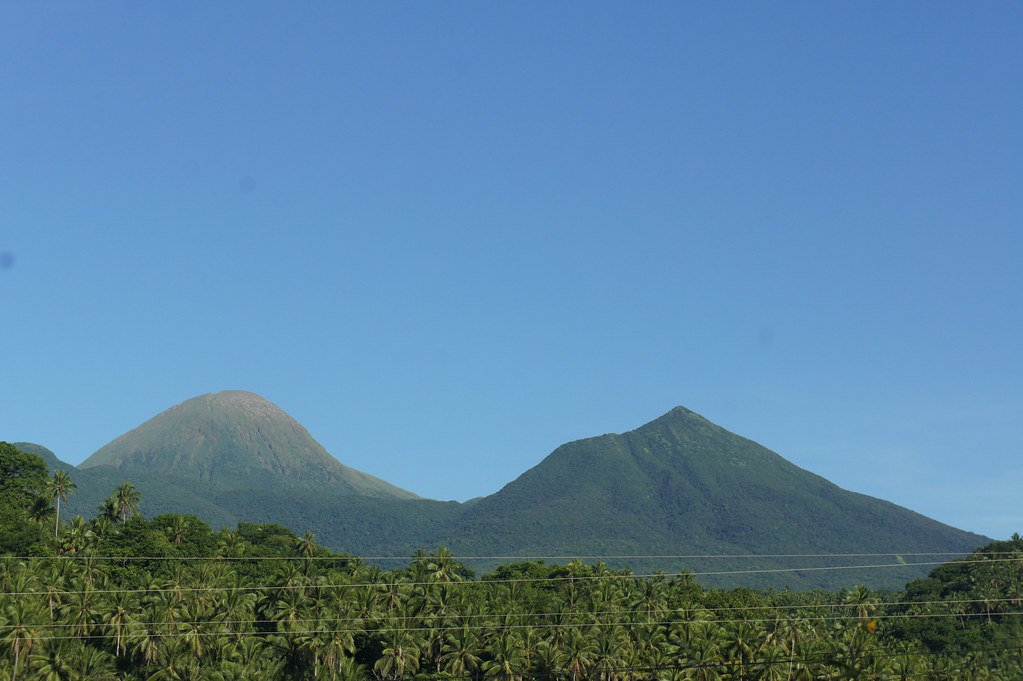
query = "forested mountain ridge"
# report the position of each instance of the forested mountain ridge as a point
(677, 486)
(683, 485)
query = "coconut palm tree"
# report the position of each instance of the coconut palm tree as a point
(143, 640)
(348, 669)
(79, 609)
(99, 530)
(458, 654)
(576, 652)
(740, 646)
(60, 486)
(610, 646)
(126, 501)
(231, 545)
(74, 540)
(338, 645)
(400, 655)
(117, 616)
(95, 664)
(862, 599)
(40, 511)
(54, 662)
(177, 530)
(508, 661)
(22, 617)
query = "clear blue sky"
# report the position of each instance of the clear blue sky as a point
(449, 237)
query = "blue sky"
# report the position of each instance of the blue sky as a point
(449, 237)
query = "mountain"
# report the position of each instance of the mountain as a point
(677, 486)
(681, 485)
(234, 440)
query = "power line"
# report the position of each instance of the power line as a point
(697, 612)
(525, 558)
(543, 580)
(449, 628)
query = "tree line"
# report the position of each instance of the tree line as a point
(120, 596)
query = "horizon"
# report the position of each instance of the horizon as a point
(448, 239)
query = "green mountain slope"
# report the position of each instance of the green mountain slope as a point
(234, 440)
(681, 485)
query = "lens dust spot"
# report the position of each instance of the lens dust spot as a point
(246, 185)
(6, 260)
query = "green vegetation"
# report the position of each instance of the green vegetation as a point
(122, 597)
(22, 486)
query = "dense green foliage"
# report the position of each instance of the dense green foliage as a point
(123, 597)
(22, 490)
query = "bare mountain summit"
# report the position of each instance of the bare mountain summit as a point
(235, 440)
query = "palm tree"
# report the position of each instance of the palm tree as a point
(40, 511)
(610, 645)
(198, 629)
(108, 509)
(348, 670)
(21, 618)
(79, 610)
(100, 528)
(177, 531)
(862, 599)
(255, 656)
(118, 616)
(741, 645)
(95, 664)
(60, 486)
(338, 645)
(54, 662)
(508, 659)
(126, 500)
(306, 544)
(399, 657)
(144, 639)
(236, 603)
(230, 545)
(74, 539)
(703, 665)
(458, 655)
(576, 652)
(175, 662)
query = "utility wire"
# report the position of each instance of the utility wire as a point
(460, 559)
(694, 616)
(484, 627)
(542, 580)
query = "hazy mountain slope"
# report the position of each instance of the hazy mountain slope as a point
(235, 440)
(366, 526)
(682, 485)
(160, 493)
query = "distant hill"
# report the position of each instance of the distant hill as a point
(235, 440)
(677, 486)
(49, 457)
